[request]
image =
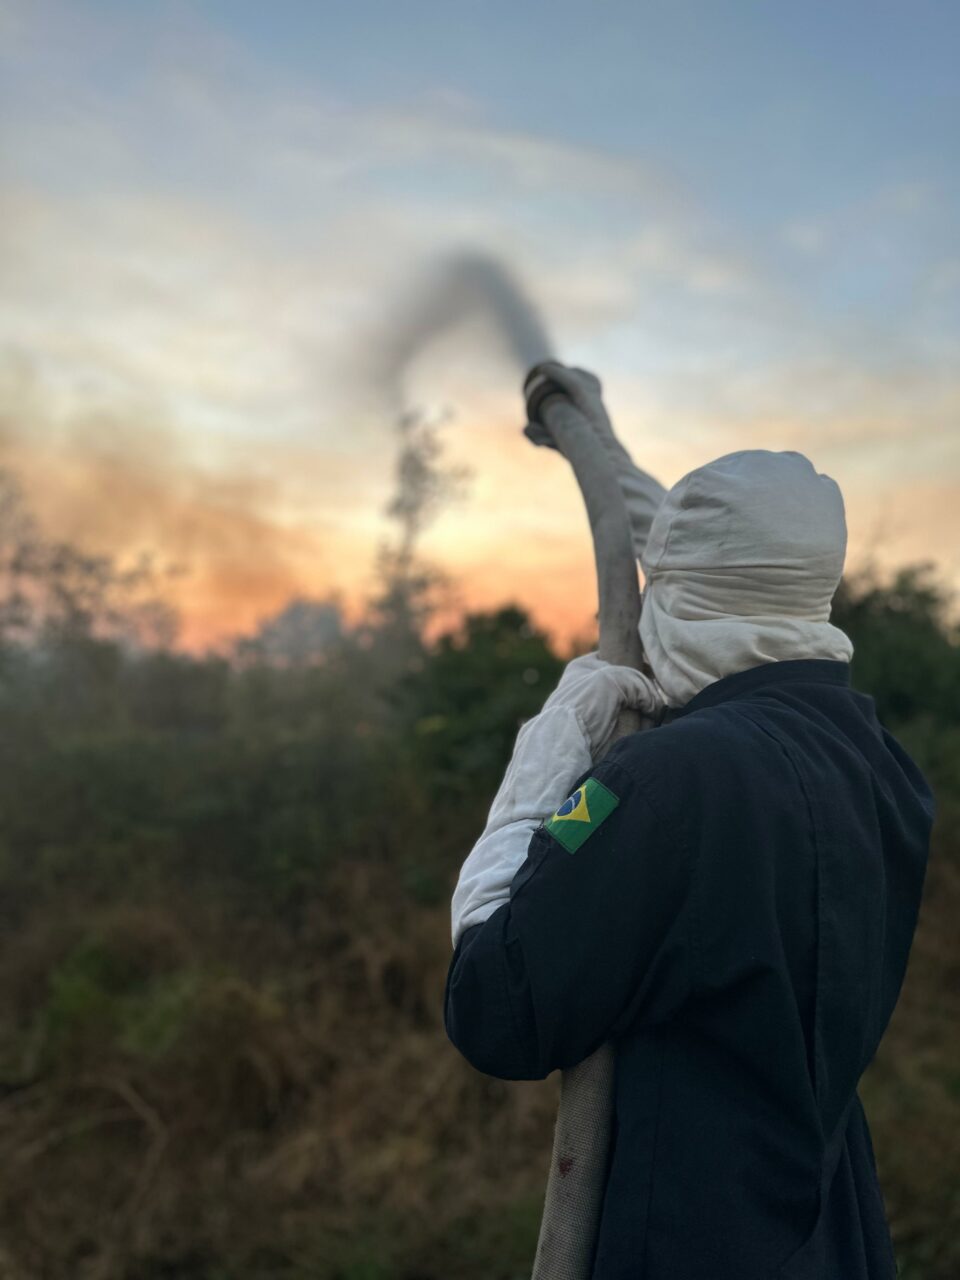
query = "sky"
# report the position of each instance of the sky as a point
(743, 217)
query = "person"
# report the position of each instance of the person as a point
(728, 898)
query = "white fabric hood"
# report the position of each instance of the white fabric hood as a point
(741, 564)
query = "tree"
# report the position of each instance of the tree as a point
(302, 633)
(906, 650)
(54, 591)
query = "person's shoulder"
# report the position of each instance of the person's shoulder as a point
(677, 747)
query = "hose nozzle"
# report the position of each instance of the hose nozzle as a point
(538, 388)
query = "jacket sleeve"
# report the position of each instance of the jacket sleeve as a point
(590, 941)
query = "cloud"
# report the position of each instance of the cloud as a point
(229, 270)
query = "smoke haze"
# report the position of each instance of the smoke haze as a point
(452, 290)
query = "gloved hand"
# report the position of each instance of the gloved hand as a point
(596, 691)
(584, 392)
(552, 751)
(641, 492)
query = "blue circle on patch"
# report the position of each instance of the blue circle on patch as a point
(569, 805)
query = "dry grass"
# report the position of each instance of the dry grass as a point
(304, 1115)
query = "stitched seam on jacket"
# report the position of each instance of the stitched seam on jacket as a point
(812, 827)
(653, 1159)
(797, 1252)
(521, 1042)
(694, 979)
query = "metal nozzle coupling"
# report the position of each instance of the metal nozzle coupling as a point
(538, 387)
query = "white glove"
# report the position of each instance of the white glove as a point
(641, 492)
(552, 751)
(596, 692)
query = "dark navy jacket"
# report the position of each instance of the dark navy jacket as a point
(739, 928)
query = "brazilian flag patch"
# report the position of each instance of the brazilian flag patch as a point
(580, 814)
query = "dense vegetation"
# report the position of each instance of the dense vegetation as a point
(224, 888)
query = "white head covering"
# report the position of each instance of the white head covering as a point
(743, 558)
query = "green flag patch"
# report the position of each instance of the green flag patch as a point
(581, 813)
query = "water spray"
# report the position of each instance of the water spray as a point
(460, 287)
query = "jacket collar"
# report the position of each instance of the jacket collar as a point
(741, 683)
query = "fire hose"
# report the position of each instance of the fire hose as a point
(459, 286)
(582, 1135)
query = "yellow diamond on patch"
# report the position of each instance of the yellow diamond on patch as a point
(574, 808)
